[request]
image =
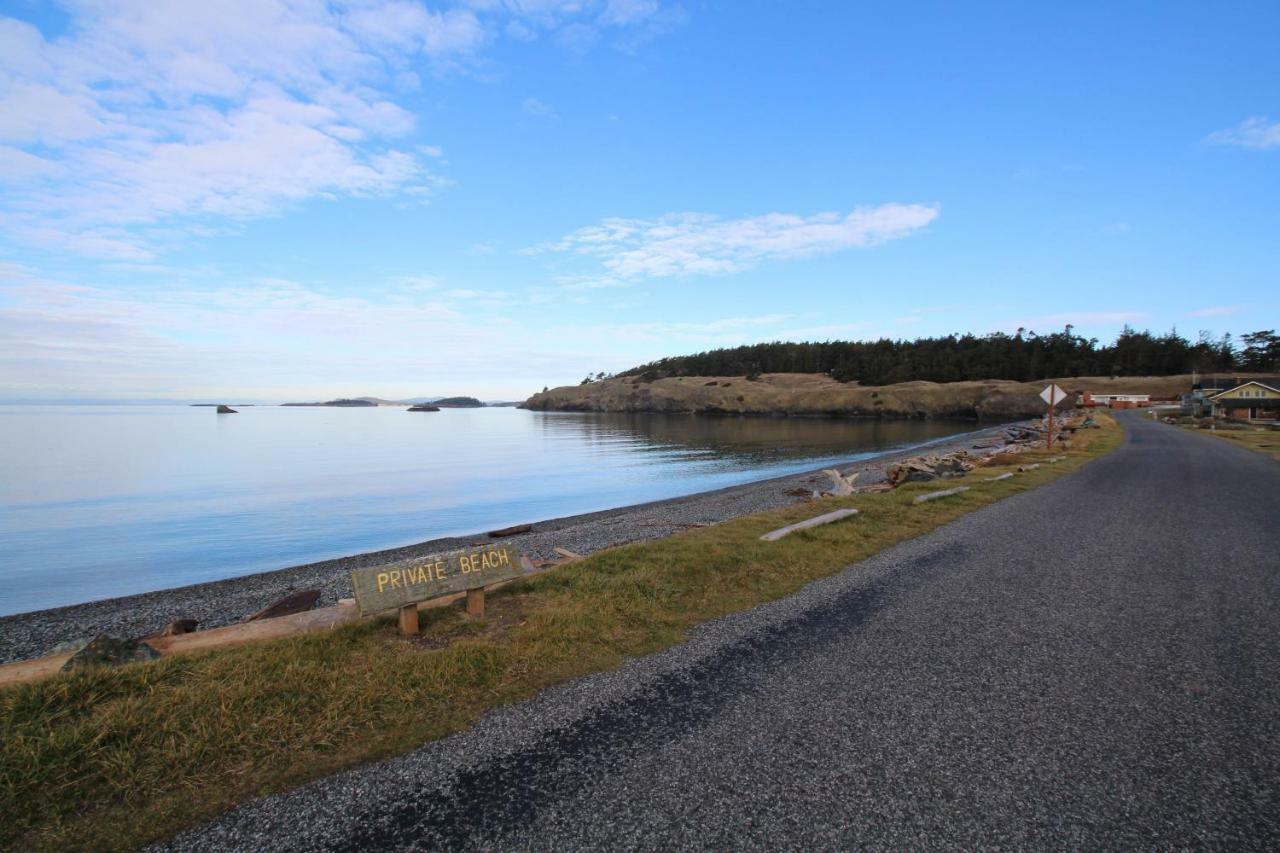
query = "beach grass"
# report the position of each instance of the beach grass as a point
(111, 759)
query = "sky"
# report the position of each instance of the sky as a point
(287, 199)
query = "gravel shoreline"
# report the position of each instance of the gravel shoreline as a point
(216, 603)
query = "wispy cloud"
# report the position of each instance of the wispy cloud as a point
(266, 337)
(1215, 311)
(723, 331)
(579, 25)
(1257, 132)
(535, 107)
(698, 244)
(147, 114)
(147, 122)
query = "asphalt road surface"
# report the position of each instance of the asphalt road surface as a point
(1092, 664)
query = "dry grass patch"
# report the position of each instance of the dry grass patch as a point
(1262, 440)
(115, 758)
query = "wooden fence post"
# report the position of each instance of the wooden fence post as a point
(409, 619)
(475, 602)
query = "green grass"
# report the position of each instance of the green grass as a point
(111, 759)
(1255, 438)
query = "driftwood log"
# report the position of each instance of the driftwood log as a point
(945, 493)
(511, 531)
(775, 535)
(841, 486)
(297, 602)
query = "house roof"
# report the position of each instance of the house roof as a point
(1229, 392)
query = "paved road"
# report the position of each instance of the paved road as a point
(1093, 664)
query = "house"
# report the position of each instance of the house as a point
(1252, 400)
(1115, 401)
(1198, 402)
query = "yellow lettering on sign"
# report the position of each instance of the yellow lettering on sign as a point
(504, 559)
(440, 572)
(383, 577)
(484, 561)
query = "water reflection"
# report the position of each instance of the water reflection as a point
(743, 440)
(99, 501)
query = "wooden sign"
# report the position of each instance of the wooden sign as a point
(407, 582)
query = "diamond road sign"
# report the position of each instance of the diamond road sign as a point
(1053, 395)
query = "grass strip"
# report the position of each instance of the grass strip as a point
(112, 759)
(1262, 440)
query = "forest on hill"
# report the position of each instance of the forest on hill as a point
(1023, 356)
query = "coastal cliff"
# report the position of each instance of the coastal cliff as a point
(806, 394)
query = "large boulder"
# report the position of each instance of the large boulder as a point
(109, 651)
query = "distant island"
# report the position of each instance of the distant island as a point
(367, 402)
(345, 403)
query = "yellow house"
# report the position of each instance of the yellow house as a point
(1251, 401)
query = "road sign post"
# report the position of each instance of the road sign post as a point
(1051, 395)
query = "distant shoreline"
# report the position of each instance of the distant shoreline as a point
(222, 602)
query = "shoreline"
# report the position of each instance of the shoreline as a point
(229, 600)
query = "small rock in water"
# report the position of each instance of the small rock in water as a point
(109, 651)
(227, 410)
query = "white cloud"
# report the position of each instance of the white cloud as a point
(622, 12)
(578, 38)
(143, 121)
(579, 283)
(720, 332)
(16, 164)
(1255, 132)
(416, 282)
(149, 114)
(1215, 311)
(466, 293)
(535, 107)
(695, 243)
(268, 337)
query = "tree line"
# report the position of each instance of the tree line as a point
(1023, 356)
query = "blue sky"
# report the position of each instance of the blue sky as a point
(277, 200)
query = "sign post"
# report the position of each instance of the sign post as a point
(403, 584)
(1051, 395)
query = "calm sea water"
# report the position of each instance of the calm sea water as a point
(99, 501)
